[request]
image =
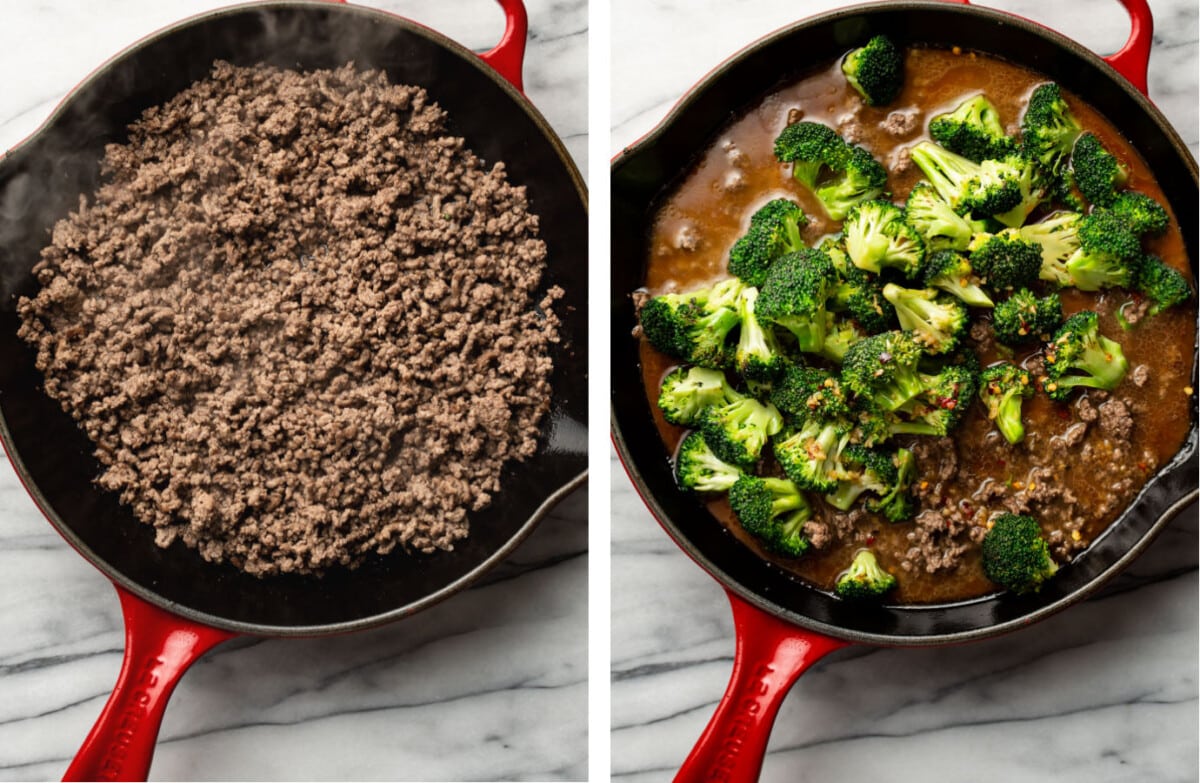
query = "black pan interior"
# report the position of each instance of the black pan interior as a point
(639, 178)
(42, 180)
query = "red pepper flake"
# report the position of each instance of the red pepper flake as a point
(1143, 466)
(1063, 413)
(871, 540)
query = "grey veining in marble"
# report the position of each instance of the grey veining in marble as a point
(1106, 691)
(490, 685)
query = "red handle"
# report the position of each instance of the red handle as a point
(770, 655)
(508, 57)
(159, 647)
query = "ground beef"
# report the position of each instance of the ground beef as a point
(1115, 420)
(1136, 310)
(688, 238)
(300, 322)
(900, 123)
(1086, 411)
(900, 160)
(1140, 375)
(937, 541)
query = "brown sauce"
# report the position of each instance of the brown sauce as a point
(711, 207)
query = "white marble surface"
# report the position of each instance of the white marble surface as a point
(490, 685)
(1106, 691)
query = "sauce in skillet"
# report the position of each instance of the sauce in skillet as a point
(711, 207)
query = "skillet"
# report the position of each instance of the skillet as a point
(783, 627)
(175, 605)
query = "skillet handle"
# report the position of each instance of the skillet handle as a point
(1133, 61)
(770, 655)
(508, 57)
(159, 647)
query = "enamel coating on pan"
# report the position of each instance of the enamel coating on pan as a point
(784, 626)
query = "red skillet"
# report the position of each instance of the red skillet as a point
(176, 607)
(782, 626)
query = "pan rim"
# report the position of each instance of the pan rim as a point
(463, 582)
(1185, 456)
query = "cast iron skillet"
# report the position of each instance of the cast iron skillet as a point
(782, 625)
(176, 605)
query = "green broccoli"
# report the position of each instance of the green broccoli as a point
(951, 272)
(897, 505)
(804, 392)
(811, 455)
(1141, 213)
(1058, 238)
(1003, 387)
(1015, 555)
(737, 431)
(1023, 318)
(811, 148)
(870, 471)
(758, 354)
(697, 468)
(941, 406)
(877, 236)
(1097, 172)
(693, 326)
(1048, 129)
(1006, 261)
(1108, 254)
(1080, 356)
(772, 510)
(687, 392)
(794, 296)
(883, 368)
(861, 295)
(774, 231)
(840, 334)
(935, 220)
(865, 579)
(1165, 285)
(973, 130)
(861, 178)
(875, 70)
(1034, 185)
(989, 188)
(936, 320)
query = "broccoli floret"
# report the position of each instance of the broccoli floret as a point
(1080, 356)
(876, 71)
(865, 579)
(774, 231)
(686, 393)
(1048, 129)
(861, 178)
(811, 147)
(1108, 254)
(811, 455)
(1058, 238)
(870, 471)
(1035, 187)
(951, 272)
(937, 321)
(693, 326)
(897, 505)
(758, 354)
(1003, 387)
(861, 295)
(840, 334)
(1097, 172)
(1165, 285)
(940, 407)
(737, 431)
(1015, 555)
(883, 368)
(989, 188)
(804, 392)
(1023, 318)
(697, 468)
(877, 236)
(774, 511)
(1005, 261)
(1141, 213)
(794, 295)
(935, 220)
(973, 130)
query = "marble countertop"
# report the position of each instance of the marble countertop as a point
(490, 685)
(1104, 692)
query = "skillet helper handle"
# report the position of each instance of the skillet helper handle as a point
(770, 655)
(508, 56)
(159, 647)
